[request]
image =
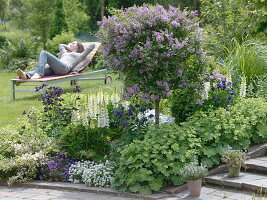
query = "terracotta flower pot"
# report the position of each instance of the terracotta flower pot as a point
(194, 187)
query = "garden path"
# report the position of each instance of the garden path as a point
(19, 193)
(207, 193)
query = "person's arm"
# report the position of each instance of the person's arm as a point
(87, 51)
(63, 48)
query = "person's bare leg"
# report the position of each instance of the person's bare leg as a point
(36, 76)
(22, 74)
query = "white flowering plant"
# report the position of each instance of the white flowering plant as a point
(193, 171)
(22, 152)
(92, 173)
(76, 170)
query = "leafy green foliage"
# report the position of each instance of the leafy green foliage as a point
(259, 88)
(63, 38)
(248, 59)
(3, 9)
(55, 114)
(39, 17)
(146, 166)
(59, 22)
(76, 17)
(81, 142)
(22, 151)
(18, 52)
(225, 20)
(183, 103)
(3, 41)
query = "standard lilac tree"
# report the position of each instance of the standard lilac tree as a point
(154, 50)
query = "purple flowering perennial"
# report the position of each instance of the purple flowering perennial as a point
(148, 44)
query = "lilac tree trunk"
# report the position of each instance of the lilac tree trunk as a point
(157, 112)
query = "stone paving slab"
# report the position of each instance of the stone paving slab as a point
(251, 181)
(258, 164)
(218, 193)
(208, 193)
(258, 150)
(14, 193)
(84, 188)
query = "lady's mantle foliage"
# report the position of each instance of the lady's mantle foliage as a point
(156, 49)
(149, 164)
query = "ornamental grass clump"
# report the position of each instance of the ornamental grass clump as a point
(154, 50)
(193, 171)
(235, 159)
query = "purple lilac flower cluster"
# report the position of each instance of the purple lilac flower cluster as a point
(151, 46)
(133, 115)
(57, 168)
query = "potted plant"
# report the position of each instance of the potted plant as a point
(234, 159)
(193, 174)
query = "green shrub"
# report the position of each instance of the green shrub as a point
(82, 142)
(56, 111)
(146, 166)
(3, 41)
(64, 38)
(259, 88)
(18, 52)
(22, 150)
(183, 104)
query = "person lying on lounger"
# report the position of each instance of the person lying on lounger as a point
(48, 64)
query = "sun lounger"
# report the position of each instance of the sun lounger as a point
(72, 76)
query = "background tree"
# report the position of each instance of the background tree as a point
(154, 50)
(3, 9)
(16, 14)
(224, 20)
(76, 17)
(93, 9)
(59, 21)
(39, 18)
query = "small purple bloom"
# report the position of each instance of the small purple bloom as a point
(232, 92)
(150, 116)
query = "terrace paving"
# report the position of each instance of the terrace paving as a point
(207, 193)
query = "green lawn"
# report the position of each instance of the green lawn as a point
(11, 110)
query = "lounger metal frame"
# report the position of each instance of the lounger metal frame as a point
(58, 79)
